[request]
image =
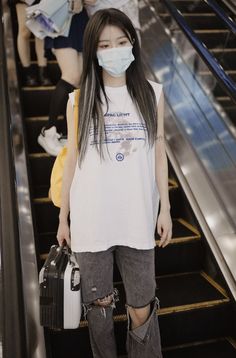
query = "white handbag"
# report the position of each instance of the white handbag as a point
(60, 293)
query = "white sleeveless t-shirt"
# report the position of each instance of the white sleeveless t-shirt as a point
(114, 201)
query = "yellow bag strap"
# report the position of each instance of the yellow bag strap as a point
(76, 113)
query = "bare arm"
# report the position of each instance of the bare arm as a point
(90, 2)
(68, 173)
(164, 224)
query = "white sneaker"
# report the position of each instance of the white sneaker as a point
(49, 140)
(63, 141)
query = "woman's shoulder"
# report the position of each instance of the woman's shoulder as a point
(156, 86)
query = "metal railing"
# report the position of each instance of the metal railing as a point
(229, 23)
(225, 80)
(231, 5)
(20, 250)
(12, 309)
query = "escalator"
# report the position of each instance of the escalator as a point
(218, 37)
(198, 314)
(10, 266)
(190, 297)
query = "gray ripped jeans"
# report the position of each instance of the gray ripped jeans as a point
(137, 269)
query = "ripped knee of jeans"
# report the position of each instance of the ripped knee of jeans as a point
(141, 334)
(154, 305)
(108, 301)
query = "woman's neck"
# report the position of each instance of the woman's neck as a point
(110, 81)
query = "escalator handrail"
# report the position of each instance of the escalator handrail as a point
(222, 15)
(217, 70)
(12, 326)
(26, 249)
(231, 5)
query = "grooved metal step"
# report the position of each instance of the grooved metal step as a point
(197, 317)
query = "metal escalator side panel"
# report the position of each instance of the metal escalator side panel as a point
(199, 140)
(35, 344)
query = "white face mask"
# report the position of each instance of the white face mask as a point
(115, 60)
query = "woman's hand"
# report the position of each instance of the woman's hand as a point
(75, 6)
(164, 228)
(63, 233)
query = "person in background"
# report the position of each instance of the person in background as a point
(68, 53)
(115, 174)
(30, 78)
(129, 7)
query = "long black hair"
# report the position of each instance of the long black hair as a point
(140, 90)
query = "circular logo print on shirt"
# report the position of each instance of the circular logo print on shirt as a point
(119, 157)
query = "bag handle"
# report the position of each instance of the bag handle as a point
(60, 249)
(58, 254)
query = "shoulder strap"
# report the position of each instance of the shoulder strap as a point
(76, 113)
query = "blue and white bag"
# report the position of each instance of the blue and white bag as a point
(49, 18)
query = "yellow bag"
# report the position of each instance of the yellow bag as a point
(58, 166)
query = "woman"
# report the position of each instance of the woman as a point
(23, 46)
(68, 53)
(112, 188)
(129, 7)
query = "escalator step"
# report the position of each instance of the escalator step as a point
(203, 21)
(199, 319)
(208, 80)
(36, 100)
(188, 325)
(226, 58)
(222, 38)
(214, 349)
(220, 348)
(188, 290)
(187, 6)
